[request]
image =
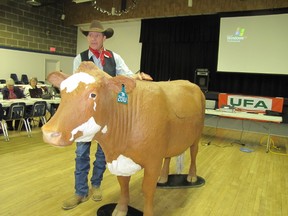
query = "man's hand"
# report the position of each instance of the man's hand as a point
(143, 76)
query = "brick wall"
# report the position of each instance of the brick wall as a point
(39, 28)
(36, 28)
(84, 12)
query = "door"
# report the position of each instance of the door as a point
(51, 65)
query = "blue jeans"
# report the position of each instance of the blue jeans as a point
(82, 168)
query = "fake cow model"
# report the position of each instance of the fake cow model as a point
(137, 123)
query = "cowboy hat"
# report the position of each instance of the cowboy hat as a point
(96, 26)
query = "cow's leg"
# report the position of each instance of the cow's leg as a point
(151, 174)
(121, 208)
(165, 171)
(192, 176)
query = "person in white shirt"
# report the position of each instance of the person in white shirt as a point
(114, 65)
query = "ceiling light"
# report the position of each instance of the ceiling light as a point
(81, 1)
(33, 2)
(126, 7)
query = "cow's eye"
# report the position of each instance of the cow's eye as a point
(92, 95)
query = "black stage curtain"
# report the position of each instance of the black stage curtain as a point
(173, 48)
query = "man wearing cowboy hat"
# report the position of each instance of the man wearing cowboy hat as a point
(114, 65)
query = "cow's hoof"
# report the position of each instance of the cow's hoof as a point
(162, 180)
(117, 212)
(191, 179)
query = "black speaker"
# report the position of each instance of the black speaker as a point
(201, 78)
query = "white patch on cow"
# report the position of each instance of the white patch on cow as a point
(72, 82)
(93, 98)
(123, 166)
(89, 129)
(94, 107)
(104, 130)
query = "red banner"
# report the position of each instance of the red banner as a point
(251, 103)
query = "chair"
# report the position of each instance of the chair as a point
(15, 78)
(24, 79)
(16, 111)
(38, 111)
(2, 81)
(1, 118)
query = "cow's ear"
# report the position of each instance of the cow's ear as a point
(90, 68)
(115, 83)
(86, 66)
(55, 78)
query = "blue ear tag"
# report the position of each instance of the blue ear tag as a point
(122, 96)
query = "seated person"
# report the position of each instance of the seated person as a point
(1, 117)
(10, 91)
(53, 91)
(32, 91)
(1, 112)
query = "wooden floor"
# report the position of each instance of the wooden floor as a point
(36, 178)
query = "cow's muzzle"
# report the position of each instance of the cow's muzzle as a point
(55, 138)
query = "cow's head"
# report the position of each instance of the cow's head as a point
(85, 101)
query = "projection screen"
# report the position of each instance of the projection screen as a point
(254, 44)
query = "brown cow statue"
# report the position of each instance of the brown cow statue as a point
(137, 123)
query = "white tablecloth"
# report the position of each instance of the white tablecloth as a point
(30, 101)
(244, 115)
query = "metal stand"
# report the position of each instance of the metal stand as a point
(107, 210)
(179, 181)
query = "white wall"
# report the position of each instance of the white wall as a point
(31, 63)
(125, 41)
